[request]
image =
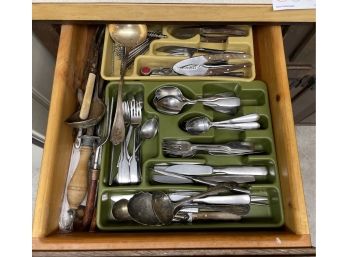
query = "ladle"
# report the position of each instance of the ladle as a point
(129, 36)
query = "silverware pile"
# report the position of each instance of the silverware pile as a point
(170, 100)
(183, 148)
(220, 203)
(128, 165)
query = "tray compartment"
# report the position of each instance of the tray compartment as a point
(253, 97)
(110, 68)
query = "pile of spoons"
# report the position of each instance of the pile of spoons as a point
(170, 100)
(160, 208)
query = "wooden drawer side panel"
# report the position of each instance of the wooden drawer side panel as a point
(271, 68)
(57, 150)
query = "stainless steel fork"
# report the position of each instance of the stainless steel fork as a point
(136, 117)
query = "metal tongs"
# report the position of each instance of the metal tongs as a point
(210, 65)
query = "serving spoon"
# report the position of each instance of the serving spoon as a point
(129, 36)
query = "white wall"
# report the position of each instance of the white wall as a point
(42, 76)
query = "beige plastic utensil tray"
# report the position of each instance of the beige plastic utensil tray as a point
(110, 69)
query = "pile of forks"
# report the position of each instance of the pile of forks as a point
(128, 165)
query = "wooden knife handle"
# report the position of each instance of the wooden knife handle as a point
(87, 98)
(77, 187)
(93, 227)
(91, 195)
(215, 216)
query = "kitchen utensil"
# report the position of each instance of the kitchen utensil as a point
(241, 209)
(217, 179)
(129, 36)
(147, 71)
(148, 130)
(200, 124)
(183, 148)
(232, 185)
(123, 174)
(186, 32)
(165, 209)
(136, 117)
(170, 100)
(201, 170)
(92, 189)
(233, 199)
(77, 187)
(210, 215)
(143, 47)
(140, 208)
(93, 69)
(204, 65)
(120, 210)
(172, 105)
(190, 51)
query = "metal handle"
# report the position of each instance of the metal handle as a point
(225, 199)
(238, 126)
(242, 119)
(243, 170)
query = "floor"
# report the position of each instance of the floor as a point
(306, 147)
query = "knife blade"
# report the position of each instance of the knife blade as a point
(190, 51)
(217, 179)
(199, 170)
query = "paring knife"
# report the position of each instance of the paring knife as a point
(190, 51)
(201, 170)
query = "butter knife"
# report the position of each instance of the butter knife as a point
(201, 170)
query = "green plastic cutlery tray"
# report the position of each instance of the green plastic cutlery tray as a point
(254, 99)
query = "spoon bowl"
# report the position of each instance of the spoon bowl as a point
(149, 128)
(128, 35)
(140, 209)
(120, 210)
(169, 105)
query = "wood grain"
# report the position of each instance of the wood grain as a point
(58, 143)
(171, 240)
(197, 252)
(168, 13)
(271, 68)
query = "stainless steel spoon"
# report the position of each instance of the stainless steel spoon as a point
(165, 209)
(202, 124)
(148, 130)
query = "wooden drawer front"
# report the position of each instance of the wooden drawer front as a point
(270, 67)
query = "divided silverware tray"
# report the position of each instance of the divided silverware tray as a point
(254, 99)
(152, 58)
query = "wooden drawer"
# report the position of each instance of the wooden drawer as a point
(270, 68)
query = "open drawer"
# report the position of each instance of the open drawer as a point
(270, 67)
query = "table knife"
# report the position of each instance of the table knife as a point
(201, 170)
